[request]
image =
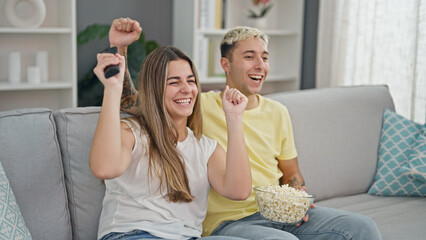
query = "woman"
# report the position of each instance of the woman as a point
(157, 166)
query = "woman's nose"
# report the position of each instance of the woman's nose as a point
(185, 87)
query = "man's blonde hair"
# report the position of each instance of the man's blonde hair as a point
(236, 34)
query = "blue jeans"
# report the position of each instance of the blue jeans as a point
(139, 234)
(324, 224)
(133, 235)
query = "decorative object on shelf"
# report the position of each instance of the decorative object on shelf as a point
(41, 59)
(258, 15)
(262, 8)
(260, 23)
(33, 75)
(284, 27)
(25, 13)
(14, 67)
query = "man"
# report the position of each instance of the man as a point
(269, 140)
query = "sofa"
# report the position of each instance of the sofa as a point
(45, 153)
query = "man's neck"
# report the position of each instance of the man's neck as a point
(253, 101)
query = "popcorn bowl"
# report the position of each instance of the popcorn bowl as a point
(282, 204)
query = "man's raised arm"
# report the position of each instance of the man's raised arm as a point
(123, 32)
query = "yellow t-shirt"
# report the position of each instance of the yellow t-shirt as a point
(269, 137)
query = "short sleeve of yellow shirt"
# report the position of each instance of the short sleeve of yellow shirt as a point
(269, 137)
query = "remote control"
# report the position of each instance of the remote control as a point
(112, 69)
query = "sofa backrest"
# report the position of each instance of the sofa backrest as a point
(75, 130)
(337, 133)
(30, 154)
(76, 127)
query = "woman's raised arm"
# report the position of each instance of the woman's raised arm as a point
(112, 144)
(229, 173)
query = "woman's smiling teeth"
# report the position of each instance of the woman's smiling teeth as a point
(183, 101)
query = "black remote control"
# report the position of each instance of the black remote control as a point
(112, 69)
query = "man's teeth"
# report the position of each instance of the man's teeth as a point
(256, 77)
(183, 101)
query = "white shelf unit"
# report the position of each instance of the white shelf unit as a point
(285, 31)
(56, 36)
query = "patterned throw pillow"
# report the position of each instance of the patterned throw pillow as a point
(12, 225)
(398, 138)
(415, 167)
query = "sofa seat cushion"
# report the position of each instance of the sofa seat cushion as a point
(397, 217)
(30, 155)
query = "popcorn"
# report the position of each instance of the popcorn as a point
(282, 203)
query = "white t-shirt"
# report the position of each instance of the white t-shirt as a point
(134, 201)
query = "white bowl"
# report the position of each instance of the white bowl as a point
(281, 206)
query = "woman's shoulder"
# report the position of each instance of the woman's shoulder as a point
(208, 144)
(207, 139)
(202, 147)
(131, 124)
(204, 141)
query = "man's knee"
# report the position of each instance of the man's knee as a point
(360, 227)
(255, 231)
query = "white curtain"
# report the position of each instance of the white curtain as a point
(366, 42)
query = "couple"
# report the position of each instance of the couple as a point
(158, 166)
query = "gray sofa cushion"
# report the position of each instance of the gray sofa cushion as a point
(76, 128)
(337, 132)
(31, 158)
(396, 217)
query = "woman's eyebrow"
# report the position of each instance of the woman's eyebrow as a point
(177, 77)
(173, 78)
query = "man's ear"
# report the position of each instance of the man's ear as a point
(226, 64)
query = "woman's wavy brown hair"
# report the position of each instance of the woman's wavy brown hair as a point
(164, 158)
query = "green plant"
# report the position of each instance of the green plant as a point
(90, 89)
